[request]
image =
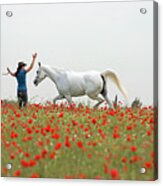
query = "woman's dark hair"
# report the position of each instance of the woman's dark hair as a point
(20, 65)
(17, 71)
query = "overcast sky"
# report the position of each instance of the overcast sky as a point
(80, 37)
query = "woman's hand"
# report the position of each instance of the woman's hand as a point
(34, 56)
(9, 71)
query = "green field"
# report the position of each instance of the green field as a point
(60, 141)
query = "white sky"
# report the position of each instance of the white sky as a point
(80, 36)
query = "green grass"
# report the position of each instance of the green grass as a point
(107, 136)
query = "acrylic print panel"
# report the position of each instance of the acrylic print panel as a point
(79, 97)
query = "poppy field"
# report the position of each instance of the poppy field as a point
(78, 142)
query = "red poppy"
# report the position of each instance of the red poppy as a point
(35, 175)
(133, 148)
(13, 125)
(55, 136)
(68, 177)
(116, 129)
(48, 128)
(37, 157)
(148, 165)
(148, 133)
(106, 170)
(74, 122)
(17, 173)
(44, 152)
(32, 163)
(17, 115)
(52, 155)
(86, 129)
(129, 127)
(94, 120)
(12, 156)
(34, 116)
(24, 163)
(29, 130)
(67, 142)
(116, 135)
(27, 154)
(112, 112)
(122, 114)
(98, 177)
(124, 159)
(152, 154)
(129, 137)
(89, 155)
(68, 130)
(82, 176)
(29, 138)
(61, 114)
(58, 146)
(30, 121)
(151, 120)
(89, 143)
(13, 135)
(99, 130)
(134, 159)
(114, 173)
(94, 143)
(40, 143)
(80, 144)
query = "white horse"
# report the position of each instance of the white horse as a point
(72, 84)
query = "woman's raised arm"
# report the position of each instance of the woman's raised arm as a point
(32, 63)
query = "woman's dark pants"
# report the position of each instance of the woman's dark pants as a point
(22, 98)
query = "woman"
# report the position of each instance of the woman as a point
(20, 75)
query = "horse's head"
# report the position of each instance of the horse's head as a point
(40, 75)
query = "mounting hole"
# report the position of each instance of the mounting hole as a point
(9, 14)
(142, 170)
(8, 166)
(143, 10)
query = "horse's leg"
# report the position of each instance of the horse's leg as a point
(57, 98)
(108, 101)
(99, 103)
(98, 98)
(105, 95)
(69, 99)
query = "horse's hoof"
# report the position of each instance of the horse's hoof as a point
(95, 107)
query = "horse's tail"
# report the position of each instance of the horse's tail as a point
(114, 77)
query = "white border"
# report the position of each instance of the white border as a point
(44, 181)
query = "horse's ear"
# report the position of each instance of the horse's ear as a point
(39, 64)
